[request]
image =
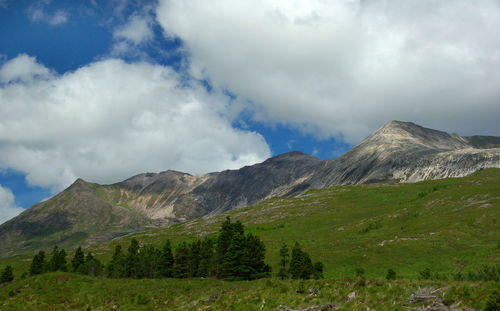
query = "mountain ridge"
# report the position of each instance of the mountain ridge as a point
(89, 212)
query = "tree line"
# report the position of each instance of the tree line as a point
(232, 255)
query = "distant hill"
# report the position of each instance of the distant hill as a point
(87, 213)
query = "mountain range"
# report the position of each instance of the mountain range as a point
(87, 213)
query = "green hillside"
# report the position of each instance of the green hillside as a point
(448, 226)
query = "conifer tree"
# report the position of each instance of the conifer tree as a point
(317, 272)
(226, 233)
(181, 264)
(300, 264)
(205, 266)
(7, 275)
(92, 265)
(194, 258)
(284, 254)
(131, 263)
(38, 263)
(116, 267)
(78, 259)
(149, 259)
(166, 263)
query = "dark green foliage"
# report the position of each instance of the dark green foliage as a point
(38, 263)
(493, 303)
(148, 262)
(205, 267)
(116, 267)
(360, 272)
(317, 270)
(181, 261)
(91, 266)
(391, 274)
(194, 258)
(7, 275)
(284, 254)
(78, 259)
(131, 261)
(300, 265)
(166, 263)
(57, 261)
(426, 274)
(226, 233)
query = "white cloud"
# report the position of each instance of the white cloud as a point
(59, 17)
(37, 13)
(137, 30)
(110, 120)
(343, 68)
(8, 208)
(22, 68)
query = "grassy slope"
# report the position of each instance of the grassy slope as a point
(448, 225)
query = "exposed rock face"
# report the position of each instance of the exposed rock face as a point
(86, 212)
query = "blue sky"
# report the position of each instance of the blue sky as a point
(107, 89)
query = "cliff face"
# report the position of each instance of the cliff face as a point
(86, 212)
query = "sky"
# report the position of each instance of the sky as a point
(104, 90)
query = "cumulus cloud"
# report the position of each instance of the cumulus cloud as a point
(343, 68)
(110, 120)
(8, 208)
(137, 30)
(22, 68)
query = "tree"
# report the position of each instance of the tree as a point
(226, 233)
(38, 263)
(7, 275)
(284, 254)
(181, 264)
(166, 263)
(206, 257)
(317, 272)
(57, 260)
(92, 266)
(131, 263)
(78, 259)
(194, 258)
(116, 267)
(300, 265)
(149, 259)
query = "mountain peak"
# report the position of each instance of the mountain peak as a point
(408, 133)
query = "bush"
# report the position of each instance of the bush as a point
(360, 272)
(391, 274)
(7, 275)
(493, 303)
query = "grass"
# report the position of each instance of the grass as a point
(63, 291)
(447, 225)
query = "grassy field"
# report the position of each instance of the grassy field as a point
(448, 226)
(64, 291)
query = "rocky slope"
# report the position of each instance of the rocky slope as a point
(86, 212)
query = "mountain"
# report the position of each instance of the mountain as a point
(87, 213)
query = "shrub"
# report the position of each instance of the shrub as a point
(391, 274)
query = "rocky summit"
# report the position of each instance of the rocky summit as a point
(87, 213)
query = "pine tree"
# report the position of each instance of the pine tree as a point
(131, 263)
(194, 258)
(317, 272)
(181, 264)
(226, 233)
(300, 264)
(92, 265)
(284, 254)
(78, 259)
(166, 263)
(205, 266)
(149, 259)
(116, 267)
(7, 275)
(38, 263)
(255, 250)
(57, 261)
